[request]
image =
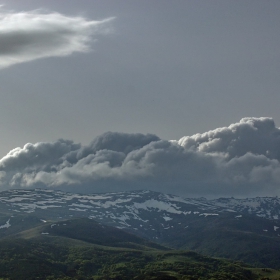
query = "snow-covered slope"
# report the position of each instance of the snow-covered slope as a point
(145, 212)
(98, 205)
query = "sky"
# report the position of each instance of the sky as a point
(175, 96)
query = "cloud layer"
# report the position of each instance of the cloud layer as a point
(239, 160)
(27, 36)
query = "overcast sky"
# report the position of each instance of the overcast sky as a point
(76, 69)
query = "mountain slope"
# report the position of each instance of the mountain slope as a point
(241, 229)
(99, 256)
(86, 230)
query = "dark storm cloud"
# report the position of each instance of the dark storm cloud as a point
(240, 160)
(26, 36)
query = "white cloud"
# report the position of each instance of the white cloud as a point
(26, 36)
(239, 160)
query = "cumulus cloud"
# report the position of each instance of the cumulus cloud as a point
(31, 35)
(239, 160)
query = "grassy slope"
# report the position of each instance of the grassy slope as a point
(86, 230)
(28, 259)
(242, 240)
(84, 249)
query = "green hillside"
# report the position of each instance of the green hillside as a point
(83, 249)
(37, 259)
(238, 239)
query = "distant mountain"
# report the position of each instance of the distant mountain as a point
(241, 229)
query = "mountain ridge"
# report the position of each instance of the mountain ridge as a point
(251, 226)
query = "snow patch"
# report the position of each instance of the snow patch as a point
(7, 225)
(159, 205)
(208, 214)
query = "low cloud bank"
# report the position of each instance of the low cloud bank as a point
(26, 36)
(239, 160)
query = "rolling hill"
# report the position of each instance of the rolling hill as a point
(85, 249)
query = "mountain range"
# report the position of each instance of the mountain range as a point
(241, 229)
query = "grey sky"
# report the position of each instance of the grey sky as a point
(171, 68)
